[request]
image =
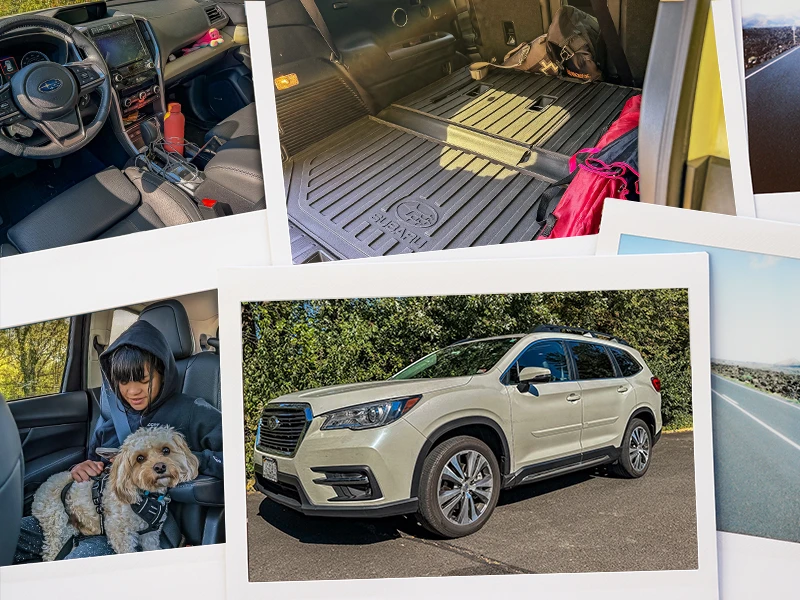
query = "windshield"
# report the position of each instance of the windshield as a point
(15, 8)
(471, 358)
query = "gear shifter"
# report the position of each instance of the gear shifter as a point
(150, 133)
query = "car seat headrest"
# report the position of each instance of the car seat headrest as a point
(170, 318)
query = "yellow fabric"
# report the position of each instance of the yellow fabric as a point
(708, 135)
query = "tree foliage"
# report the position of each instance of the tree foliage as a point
(32, 359)
(14, 7)
(291, 346)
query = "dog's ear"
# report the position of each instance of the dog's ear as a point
(121, 481)
(189, 463)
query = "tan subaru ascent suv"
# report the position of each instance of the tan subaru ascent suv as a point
(443, 436)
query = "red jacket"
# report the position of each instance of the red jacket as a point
(578, 211)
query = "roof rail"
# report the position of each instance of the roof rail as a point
(546, 328)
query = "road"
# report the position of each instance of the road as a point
(773, 121)
(584, 522)
(756, 458)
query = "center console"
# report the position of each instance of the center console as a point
(131, 52)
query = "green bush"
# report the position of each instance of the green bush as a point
(14, 7)
(291, 346)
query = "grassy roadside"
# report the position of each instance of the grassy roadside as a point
(783, 386)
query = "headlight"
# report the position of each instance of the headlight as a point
(373, 414)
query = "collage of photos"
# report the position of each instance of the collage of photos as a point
(507, 289)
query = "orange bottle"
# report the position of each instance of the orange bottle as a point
(174, 123)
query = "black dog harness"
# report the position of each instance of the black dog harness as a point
(151, 508)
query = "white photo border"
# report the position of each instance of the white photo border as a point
(728, 32)
(749, 565)
(469, 277)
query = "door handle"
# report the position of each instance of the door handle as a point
(573, 397)
(622, 389)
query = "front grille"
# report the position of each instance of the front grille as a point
(282, 427)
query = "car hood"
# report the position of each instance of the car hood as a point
(329, 398)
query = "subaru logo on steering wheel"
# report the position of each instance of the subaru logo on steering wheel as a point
(51, 85)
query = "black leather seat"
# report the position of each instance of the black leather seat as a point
(243, 122)
(108, 204)
(234, 175)
(201, 502)
(12, 472)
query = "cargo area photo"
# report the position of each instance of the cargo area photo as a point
(390, 145)
(123, 116)
(469, 435)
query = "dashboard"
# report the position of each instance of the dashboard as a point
(20, 51)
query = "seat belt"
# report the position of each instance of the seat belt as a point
(612, 41)
(118, 416)
(319, 23)
(468, 33)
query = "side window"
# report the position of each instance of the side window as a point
(627, 364)
(549, 354)
(120, 321)
(33, 358)
(592, 361)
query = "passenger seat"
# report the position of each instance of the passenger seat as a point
(234, 176)
(201, 503)
(242, 122)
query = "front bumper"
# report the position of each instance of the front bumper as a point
(383, 459)
(289, 492)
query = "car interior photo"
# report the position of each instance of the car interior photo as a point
(390, 146)
(86, 93)
(54, 426)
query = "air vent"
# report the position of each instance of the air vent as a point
(215, 14)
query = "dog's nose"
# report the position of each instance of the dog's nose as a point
(160, 468)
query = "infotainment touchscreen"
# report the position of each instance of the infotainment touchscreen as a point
(121, 47)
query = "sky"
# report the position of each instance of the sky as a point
(755, 300)
(771, 8)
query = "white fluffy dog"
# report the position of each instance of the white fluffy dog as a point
(152, 459)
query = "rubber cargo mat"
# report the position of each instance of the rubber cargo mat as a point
(374, 190)
(460, 163)
(544, 112)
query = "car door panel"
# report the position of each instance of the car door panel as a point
(546, 425)
(53, 432)
(605, 401)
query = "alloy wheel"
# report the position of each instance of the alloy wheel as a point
(465, 487)
(639, 448)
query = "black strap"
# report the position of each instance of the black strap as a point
(468, 33)
(152, 509)
(612, 41)
(547, 204)
(319, 23)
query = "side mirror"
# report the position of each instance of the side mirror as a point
(535, 375)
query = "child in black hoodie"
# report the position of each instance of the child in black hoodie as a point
(141, 379)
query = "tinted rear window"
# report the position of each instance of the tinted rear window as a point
(592, 361)
(627, 364)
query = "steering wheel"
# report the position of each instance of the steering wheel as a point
(47, 93)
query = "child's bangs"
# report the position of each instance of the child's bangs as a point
(128, 364)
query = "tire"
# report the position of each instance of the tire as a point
(636, 451)
(477, 501)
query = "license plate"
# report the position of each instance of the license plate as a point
(270, 468)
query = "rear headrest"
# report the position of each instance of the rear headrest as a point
(170, 318)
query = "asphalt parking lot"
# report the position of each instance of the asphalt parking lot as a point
(584, 522)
